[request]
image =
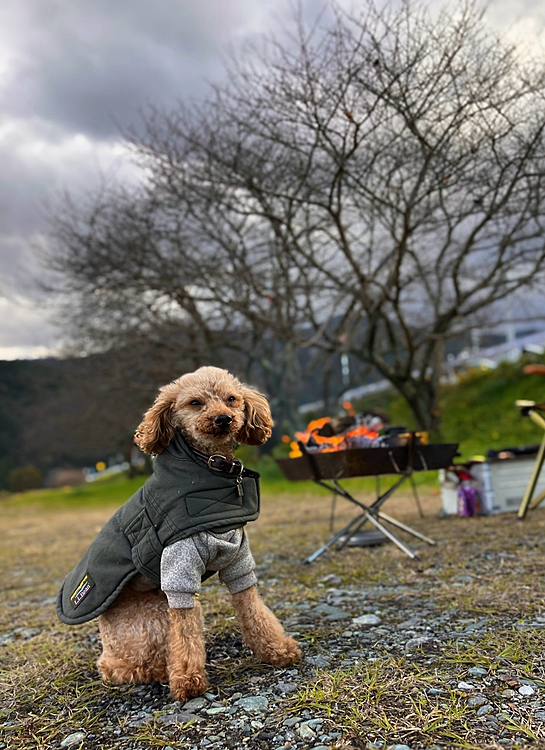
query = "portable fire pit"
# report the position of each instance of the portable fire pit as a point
(326, 469)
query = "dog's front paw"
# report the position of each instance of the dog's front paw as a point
(188, 686)
(283, 653)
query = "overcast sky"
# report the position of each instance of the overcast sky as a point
(73, 71)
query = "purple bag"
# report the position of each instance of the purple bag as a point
(469, 499)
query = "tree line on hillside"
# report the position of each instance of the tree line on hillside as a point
(370, 187)
(68, 413)
(73, 412)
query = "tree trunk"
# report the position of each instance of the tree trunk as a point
(422, 398)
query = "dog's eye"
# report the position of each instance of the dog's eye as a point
(231, 399)
(195, 402)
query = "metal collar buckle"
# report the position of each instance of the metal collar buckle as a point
(218, 462)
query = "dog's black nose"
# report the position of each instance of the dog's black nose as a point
(222, 420)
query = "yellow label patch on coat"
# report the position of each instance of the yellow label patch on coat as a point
(81, 590)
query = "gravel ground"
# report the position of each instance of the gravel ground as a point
(355, 624)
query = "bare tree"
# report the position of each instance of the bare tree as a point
(372, 188)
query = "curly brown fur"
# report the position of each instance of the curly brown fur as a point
(143, 639)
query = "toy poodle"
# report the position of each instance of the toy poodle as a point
(141, 573)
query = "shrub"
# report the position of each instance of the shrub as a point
(24, 478)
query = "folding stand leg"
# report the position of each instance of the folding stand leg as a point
(416, 497)
(540, 459)
(363, 518)
(335, 538)
(374, 516)
(408, 529)
(355, 525)
(392, 537)
(537, 501)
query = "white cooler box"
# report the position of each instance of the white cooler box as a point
(501, 482)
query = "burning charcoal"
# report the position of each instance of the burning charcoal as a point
(337, 425)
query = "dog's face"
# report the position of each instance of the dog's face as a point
(209, 411)
(213, 411)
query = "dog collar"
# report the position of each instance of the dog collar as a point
(218, 462)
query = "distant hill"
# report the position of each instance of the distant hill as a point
(71, 412)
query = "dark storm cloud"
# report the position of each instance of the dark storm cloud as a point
(71, 73)
(90, 65)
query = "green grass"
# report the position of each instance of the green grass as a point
(110, 491)
(480, 411)
(390, 697)
(117, 489)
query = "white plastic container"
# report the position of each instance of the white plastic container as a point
(501, 483)
(504, 482)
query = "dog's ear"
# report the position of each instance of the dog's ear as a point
(258, 423)
(156, 430)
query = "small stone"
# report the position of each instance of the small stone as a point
(319, 661)
(181, 717)
(314, 723)
(257, 703)
(526, 690)
(366, 621)
(436, 691)
(331, 578)
(73, 739)
(483, 710)
(508, 693)
(142, 719)
(292, 721)
(286, 687)
(331, 614)
(477, 671)
(306, 732)
(398, 747)
(196, 703)
(465, 686)
(476, 700)
(410, 623)
(460, 580)
(424, 642)
(216, 710)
